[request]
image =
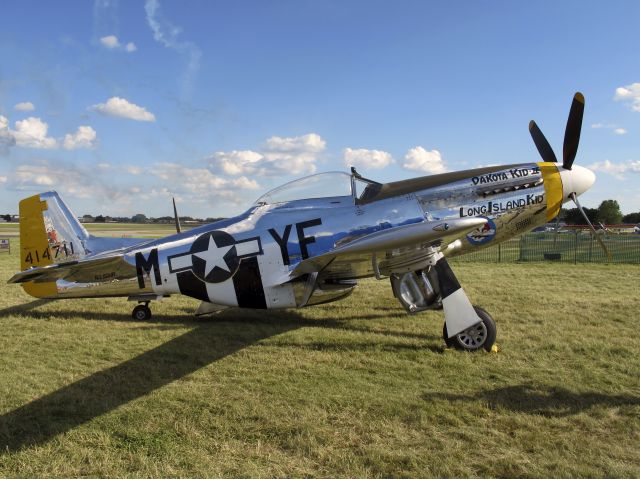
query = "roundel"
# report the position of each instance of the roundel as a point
(214, 257)
(483, 234)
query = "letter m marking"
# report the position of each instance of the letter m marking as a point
(146, 265)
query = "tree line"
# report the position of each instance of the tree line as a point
(607, 213)
(137, 218)
(141, 218)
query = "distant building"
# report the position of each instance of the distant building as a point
(623, 228)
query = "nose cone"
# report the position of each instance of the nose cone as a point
(576, 180)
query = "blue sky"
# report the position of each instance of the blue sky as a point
(121, 105)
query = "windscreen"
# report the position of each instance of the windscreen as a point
(323, 185)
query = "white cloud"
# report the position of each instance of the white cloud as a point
(610, 126)
(84, 137)
(237, 162)
(293, 155)
(279, 155)
(165, 33)
(110, 42)
(6, 136)
(200, 185)
(133, 170)
(310, 142)
(419, 159)
(24, 106)
(111, 193)
(617, 170)
(122, 108)
(193, 179)
(72, 179)
(374, 159)
(3, 179)
(629, 94)
(32, 133)
(245, 183)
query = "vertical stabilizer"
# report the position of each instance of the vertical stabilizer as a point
(34, 248)
(49, 234)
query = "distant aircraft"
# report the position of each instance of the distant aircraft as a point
(309, 241)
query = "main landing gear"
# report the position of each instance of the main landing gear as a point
(467, 327)
(142, 312)
(481, 335)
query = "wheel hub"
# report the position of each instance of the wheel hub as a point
(473, 337)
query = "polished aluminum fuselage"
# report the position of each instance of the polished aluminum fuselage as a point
(258, 250)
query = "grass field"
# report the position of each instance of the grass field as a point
(349, 389)
(108, 229)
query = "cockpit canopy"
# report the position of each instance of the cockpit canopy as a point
(322, 185)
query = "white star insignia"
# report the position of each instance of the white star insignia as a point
(213, 257)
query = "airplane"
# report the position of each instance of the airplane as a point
(309, 241)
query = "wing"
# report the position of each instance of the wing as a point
(393, 250)
(83, 271)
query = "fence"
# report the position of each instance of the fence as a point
(571, 247)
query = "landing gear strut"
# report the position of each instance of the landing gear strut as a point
(435, 287)
(142, 312)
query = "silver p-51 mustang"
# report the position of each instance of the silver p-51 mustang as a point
(309, 241)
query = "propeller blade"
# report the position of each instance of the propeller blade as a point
(543, 146)
(574, 197)
(175, 216)
(572, 131)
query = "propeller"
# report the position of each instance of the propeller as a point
(543, 146)
(569, 151)
(574, 197)
(572, 131)
(571, 135)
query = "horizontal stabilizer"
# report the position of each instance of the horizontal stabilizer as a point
(83, 271)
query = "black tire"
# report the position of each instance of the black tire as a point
(141, 313)
(479, 336)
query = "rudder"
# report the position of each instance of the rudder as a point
(49, 233)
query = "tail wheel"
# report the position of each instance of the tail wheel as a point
(142, 312)
(478, 336)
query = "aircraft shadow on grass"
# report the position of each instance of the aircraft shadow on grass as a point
(42, 419)
(210, 340)
(21, 309)
(540, 400)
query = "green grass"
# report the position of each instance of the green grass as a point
(349, 389)
(109, 229)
